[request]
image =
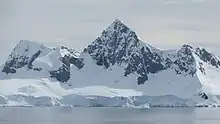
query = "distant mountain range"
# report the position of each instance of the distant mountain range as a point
(116, 69)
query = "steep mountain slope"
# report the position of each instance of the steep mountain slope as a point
(24, 54)
(117, 59)
(118, 45)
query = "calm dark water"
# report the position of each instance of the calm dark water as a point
(109, 116)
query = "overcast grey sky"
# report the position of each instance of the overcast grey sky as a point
(76, 23)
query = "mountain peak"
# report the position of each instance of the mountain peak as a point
(117, 21)
(120, 46)
(187, 46)
(23, 54)
(118, 26)
(28, 42)
(116, 38)
(207, 57)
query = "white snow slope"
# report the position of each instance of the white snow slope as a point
(25, 79)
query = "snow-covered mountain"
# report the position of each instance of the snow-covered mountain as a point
(114, 70)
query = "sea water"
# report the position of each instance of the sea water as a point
(16, 115)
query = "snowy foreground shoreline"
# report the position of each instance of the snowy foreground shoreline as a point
(43, 93)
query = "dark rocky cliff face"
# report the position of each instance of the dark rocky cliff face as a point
(185, 61)
(19, 62)
(208, 57)
(23, 55)
(62, 74)
(118, 45)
